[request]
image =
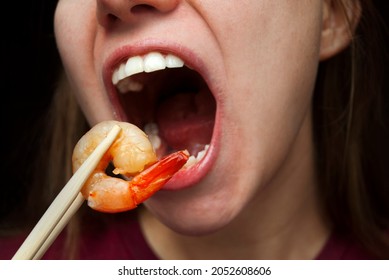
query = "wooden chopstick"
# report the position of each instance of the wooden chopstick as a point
(38, 241)
(60, 226)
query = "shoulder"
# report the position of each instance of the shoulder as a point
(95, 237)
(104, 237)
(343, 247)
(9, 245)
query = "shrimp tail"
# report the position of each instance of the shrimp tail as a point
(152, 179)
(112, 195)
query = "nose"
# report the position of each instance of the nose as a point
(110, 11)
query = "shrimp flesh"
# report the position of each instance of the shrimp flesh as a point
(135, 163)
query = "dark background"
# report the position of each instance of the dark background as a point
(29, 63)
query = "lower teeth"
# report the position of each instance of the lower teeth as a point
(193, 160)
(151, 129)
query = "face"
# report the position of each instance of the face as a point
(237, 76)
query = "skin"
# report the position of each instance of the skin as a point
(259, 199)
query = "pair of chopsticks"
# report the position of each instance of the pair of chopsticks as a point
(64, 206)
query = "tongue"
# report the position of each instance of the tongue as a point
(186, 120)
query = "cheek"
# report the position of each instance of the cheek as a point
(272, 69)
(75, 30)
(271, 74)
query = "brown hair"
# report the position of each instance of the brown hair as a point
(350, 137)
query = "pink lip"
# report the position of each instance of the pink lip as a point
(185, 177)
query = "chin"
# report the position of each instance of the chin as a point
(193, 212)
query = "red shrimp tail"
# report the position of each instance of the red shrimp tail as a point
(152, 179)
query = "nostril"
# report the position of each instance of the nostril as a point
(141, 8)
(112, 12)
(112, 18)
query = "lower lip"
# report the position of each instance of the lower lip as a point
(189, 177)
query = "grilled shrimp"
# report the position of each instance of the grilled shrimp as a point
(139, 173)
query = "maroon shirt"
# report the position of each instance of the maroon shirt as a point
(119, 237)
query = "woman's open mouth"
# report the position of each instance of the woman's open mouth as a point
(173, 104)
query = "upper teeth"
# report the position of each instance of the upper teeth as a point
(150, 62)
